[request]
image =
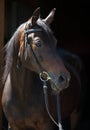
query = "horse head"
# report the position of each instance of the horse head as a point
(38, 52)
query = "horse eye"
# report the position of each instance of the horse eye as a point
(38, 43)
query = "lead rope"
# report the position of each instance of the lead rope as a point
(58, 112)
(47, 105)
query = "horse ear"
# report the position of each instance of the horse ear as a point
(35, 16)
(50, 17)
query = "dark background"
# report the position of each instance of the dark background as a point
(71, 27)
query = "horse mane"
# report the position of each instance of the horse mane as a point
(72, 62)
(10, 50)
(73, 59)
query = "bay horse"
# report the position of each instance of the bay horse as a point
(30, 52)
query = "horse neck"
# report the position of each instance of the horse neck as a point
(25, 80)
(21, 78)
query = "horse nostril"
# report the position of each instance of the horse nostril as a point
(64, 80)
(61, 79)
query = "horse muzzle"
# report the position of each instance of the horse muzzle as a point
(57, 82)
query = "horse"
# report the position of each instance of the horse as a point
(31, 57)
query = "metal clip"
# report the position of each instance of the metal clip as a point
(44, 76)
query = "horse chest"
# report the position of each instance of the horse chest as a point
(26, 107)
(30, 114)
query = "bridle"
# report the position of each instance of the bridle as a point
(43, 75)
(26, 43)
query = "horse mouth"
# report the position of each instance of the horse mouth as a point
(57, 88)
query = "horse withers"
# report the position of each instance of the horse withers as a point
(30, 52)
